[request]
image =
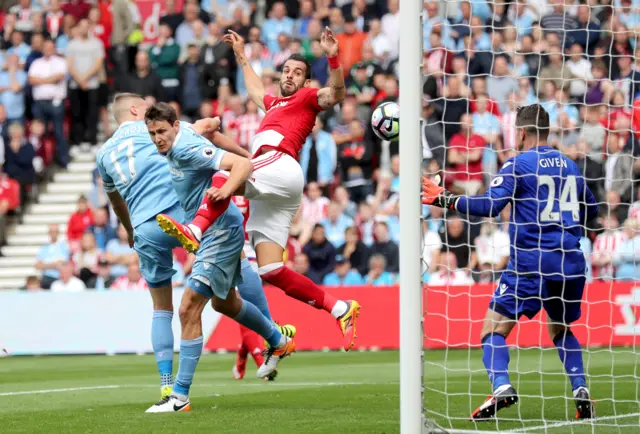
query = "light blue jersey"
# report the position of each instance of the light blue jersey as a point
(193, 161)
(129, 162)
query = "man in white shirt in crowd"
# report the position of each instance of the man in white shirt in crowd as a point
(448, 273)
(47, 77)
(492, 248)
(51, 256)
(67, 282)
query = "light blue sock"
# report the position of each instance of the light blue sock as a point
(190, 351)
(162, 342)
(251, 289)
(250, 317)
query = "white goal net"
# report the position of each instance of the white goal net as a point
(481, 61)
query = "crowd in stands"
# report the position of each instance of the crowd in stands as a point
(481, 61)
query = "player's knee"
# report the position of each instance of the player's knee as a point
(558, 331)
(267, 271)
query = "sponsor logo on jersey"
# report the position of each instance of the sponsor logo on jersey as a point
(280, 104)
(175, 172)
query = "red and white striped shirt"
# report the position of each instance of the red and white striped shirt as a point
(314, 211)
(54, 23)
(244, 127)
(508, 127)
(604, 246)
(634, 211)
(280, 57)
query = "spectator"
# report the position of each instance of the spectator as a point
(86, 258)
(67, 281)
(318, 156)
(347, 206)
(79, 221)
(53, 18)
(448, 273)
(133, 281)
(492, 248)
(276, 24)
(453, 107)
(19, 47)
(343, 275)
(37, 41)
(186, 31)
(618, 167)
(19, 155)
(456, 239)
(51, 256)
(465, 158)
(378, 274)
(33, 284)
(500, 84)
(485, 123)
(101, 229)
(190, 80)
(320, 253)
(143, 81)
(355, 250)
(314, 205)
(350, 43)
(594, 133)
(85, 57)
(336, 224)
(365, 222)
(380, 44)
(12, 95)
(605, 246)
(23, 11)
(164, 57)
(580, 68)
(9, 26)
(217, 61)
(245, 126)
(123, 26)
(390, 24)
(301, 264)
(103, 279)
(431, 247)
(556, 71)
(119, 254)
(240, 23)
(624, 258)
(588, 167)
(385, 247)
(78, 9)
(588, 32)
(9, 201)
(385, 200)
(627, 80)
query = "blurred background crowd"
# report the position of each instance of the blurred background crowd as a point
(62, 61)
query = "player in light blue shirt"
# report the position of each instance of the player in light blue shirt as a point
(137, 181)
(193, 162)
(550, 205)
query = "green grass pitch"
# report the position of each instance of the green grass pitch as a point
(315, 393)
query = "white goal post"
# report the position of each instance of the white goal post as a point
(411, 309)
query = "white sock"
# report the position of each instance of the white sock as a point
(575, 392)
(195, 230)
(501, 388)
(339, 309)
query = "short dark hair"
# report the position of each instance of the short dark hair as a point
(161, 111)
(301, 58)
(534, 119)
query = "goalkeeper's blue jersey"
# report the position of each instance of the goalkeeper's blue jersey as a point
(550, 205)
(129, 162)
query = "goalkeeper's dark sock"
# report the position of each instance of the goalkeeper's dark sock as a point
(495, 356)
(570, 354)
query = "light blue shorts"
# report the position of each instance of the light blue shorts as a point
(155, 249)
(217, 267)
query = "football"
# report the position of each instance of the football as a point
(385, 121)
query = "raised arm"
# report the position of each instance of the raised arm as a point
(253, 83)
(335, 91)
(208, 128)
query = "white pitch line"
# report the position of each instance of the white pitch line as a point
(577, 422)
(69, 389)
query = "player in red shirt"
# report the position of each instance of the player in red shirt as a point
(275, 186)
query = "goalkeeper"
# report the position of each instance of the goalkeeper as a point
(549, 204)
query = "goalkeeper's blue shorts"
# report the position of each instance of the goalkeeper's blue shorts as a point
(518, 295)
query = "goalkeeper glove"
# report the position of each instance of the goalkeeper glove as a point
(434, 195)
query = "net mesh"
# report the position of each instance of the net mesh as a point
(483, 60)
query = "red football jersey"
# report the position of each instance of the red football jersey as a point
(243, 206)
(291, 117)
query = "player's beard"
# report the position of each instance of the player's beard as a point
(284, 92)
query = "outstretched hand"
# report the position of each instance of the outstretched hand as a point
(329, 43)
(218, 194)
(130, 238)
(235, 41)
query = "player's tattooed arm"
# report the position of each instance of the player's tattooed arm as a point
(335, 92)
(122, 212)
(254, 85)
